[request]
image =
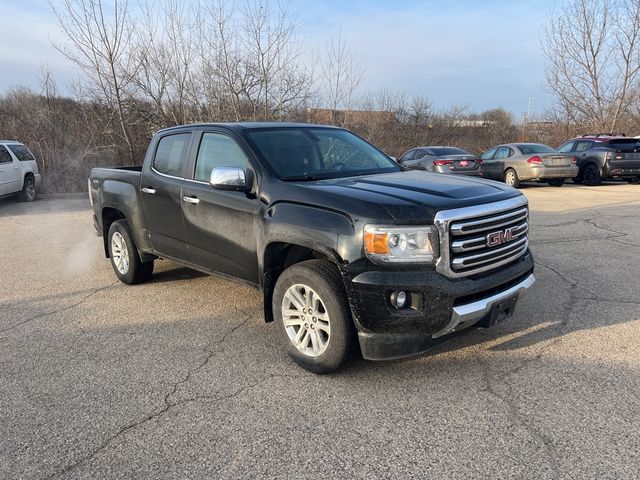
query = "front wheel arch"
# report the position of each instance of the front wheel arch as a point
(278, 256)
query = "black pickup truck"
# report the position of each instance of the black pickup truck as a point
(341, 240)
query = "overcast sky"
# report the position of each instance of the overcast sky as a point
(482, 54)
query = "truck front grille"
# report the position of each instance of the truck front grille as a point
(481, 238)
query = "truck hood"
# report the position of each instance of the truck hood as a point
(409, 196)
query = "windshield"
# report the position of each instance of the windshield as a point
(535, 148)
(310, 153)
(447, 151)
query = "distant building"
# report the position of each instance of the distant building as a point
(475, 123)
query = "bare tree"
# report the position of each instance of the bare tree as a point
(99, 42)
(340, 76)
(593, 59)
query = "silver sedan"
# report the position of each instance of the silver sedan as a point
(516, 162)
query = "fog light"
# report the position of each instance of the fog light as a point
(398, 299)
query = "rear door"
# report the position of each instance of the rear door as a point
(161, 194)
(220, 225)
(10, 180)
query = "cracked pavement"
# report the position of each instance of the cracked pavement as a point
(181, 377)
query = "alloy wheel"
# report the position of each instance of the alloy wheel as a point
(30, 188)
(306, 320)
(120, 253)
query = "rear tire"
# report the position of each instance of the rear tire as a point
(591, 175)
(28, 193)
(321, 339)
(511, 178)
(124, 256)
(556, 182)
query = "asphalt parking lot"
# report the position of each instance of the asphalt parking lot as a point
(181, 377)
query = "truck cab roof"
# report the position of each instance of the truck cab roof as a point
(240, 126)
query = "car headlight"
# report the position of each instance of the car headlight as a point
(389, 244)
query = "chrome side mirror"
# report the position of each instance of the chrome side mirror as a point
(229, 178)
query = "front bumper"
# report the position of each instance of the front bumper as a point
(38, 179)
(481, 313)
(540, 172)
(441, 307)
(447, 170)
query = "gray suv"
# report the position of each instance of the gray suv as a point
(603, 156)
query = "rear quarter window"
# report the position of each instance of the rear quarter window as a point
(5, 156)
(171, 154)
(22, 153)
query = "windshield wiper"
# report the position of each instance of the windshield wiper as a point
(303, 178)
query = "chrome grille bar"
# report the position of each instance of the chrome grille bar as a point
(467, 236)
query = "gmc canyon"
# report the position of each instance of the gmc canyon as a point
(343, 242)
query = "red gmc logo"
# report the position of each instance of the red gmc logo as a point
(498, 238)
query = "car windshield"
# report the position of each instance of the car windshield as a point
(313, 153)
(535, 148)
(439, 151)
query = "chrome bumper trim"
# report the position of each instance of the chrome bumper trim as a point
(471, 313)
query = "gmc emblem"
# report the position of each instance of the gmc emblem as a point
(502, 236)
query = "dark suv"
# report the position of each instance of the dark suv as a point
(601, 156)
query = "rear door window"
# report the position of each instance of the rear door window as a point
(171, 154)
(5, 156)
(503, 152)
(21, 152)
(583, 145)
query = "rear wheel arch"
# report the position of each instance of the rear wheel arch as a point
(278, 256)
(28, 188)
(591, 164)
(109, 215)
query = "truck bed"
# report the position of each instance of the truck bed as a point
(129, 175)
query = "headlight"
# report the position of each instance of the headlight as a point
(388, 244)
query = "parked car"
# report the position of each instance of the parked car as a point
(18, 171)
(604, 155)
(339, 238)
(442, 160)
(513, 163)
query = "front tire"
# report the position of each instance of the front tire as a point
(556, 182)
(28, 193)
(124, 256)
(511, 178)
(313, 316)
(591, 175)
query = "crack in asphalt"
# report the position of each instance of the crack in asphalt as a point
(168, 404)
(506, 399)
(593, 223)
(493, 379)
(60, 310)
(490, 377)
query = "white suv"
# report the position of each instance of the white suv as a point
(18, 170)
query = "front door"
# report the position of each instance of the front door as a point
(161, 194)
(220, 225)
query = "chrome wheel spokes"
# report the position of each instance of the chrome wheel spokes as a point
(120, 253)
(306, 320)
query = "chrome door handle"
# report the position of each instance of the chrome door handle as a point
(148, 190)
(192, 200)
